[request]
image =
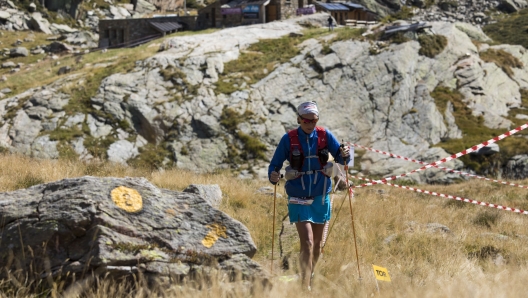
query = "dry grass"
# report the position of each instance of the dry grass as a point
(461, 263)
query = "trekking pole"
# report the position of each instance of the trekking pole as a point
(350, 193)
(273, 229)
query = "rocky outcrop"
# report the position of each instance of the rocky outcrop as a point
(381, 101)
(119, 227)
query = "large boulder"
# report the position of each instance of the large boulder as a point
(39, 23)
(18, 52)
(119, 227)
(211, 193)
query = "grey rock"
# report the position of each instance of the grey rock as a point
(327, 62)
(84, 39)
(121, 151)
(23, 132)
(9, 64)
(516, 167)
(18, 52)
(47, 98)
(61, 29)
(436, 227)
(207, 126)
(97, 128)
(40, 24)
(521, 116)
(32, 7)
(64, 70)
(390, 238)
(4, 15)
(212, 194)
(511, 6)
(75, 120)
(6, 91)
(268, 190)
(38, 112)
(487, 150)
(94, 234)
(43, 147)
(59, 47)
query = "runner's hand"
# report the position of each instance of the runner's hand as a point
(345, 151)
(274, 177)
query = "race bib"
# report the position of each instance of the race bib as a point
(301, 200)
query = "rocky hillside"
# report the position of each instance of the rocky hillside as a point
(224, 99)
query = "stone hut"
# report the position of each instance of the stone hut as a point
(229, 13)
(130, 32)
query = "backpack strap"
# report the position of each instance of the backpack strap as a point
(294, 141)
(322, 141)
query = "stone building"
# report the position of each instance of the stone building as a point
(130, 32)
(344, 11)
(229, 13)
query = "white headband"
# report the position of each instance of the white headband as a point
(308, 107)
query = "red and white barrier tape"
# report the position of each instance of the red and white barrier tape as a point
(450, 196)
(439, 167)
(454, 156)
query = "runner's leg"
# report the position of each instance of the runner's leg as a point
(304, 229)
(317, 232)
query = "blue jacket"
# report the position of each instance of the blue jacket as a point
(309, 147)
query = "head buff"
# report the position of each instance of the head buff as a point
(308, 107)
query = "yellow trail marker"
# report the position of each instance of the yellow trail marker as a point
(216, 231)
(127, 199)
(381, 273)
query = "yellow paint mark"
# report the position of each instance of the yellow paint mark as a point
(127, 199)
(171, 212)
(216, 232)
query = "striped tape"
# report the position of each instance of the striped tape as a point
(454, 156)
(439, 167)
(433, 193)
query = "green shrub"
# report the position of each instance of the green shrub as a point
(252, 145)
(399, 38)
(510, 30)
(404, 13)
(502, 59)
(152, 157)
(431, 45)
(486, 219)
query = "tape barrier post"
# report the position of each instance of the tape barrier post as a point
(350, 195)
(273, 229)
(433, 193)
(439, 167)
(454, 156)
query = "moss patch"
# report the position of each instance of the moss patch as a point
(431, 45)
(252, 146)
(502, 59)
(510, 30)
(179, 79)
(474, 132)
